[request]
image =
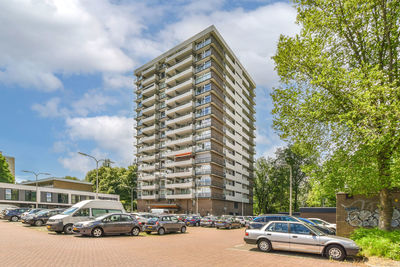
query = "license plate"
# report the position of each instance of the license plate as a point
(48, 226)
(23, 221)
(75, 229)
(150, 227)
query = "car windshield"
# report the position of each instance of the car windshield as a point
(316, 230)
(70, 211)
(43, 212)
(102, 216)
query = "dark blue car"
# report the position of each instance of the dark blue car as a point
(14, 214)
(193, 221)
(262, 220)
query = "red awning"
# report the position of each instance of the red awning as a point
(183, 154)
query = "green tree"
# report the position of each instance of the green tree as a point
(71, 178)
(5, 173)
(340, 93)
(116, 180)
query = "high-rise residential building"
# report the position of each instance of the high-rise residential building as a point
(195, 129)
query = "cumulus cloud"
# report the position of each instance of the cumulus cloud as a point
(110, 133)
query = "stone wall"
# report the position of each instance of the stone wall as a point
(359, 211)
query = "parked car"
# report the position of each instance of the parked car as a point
(142, 217)
(14, 215)
(164, 224)
(3, 207)
(227, 222)
(242, 220)
(324, 223)
(300, 237)
(193, 221)
(30, 212)
(262, 220)
(208, 221)
(40, 218)
(322, 228)
(181, 217)
(108, 224)
(82, 211)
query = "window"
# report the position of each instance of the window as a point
(271, 227)
(112, 218)
(62, 198)
(12, 194)
(300, 229)
(98, 212)
(82, 213)
(126, 218)
(30, 196)
(236, 205)
(174, 219)
(48, 197)
(166, 218)
(281, 227)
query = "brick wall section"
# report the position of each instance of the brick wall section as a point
(329, 217)
(356, 211)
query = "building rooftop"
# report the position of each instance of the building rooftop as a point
(56, 179)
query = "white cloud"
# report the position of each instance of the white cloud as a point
(252, 35)
(262, 139)
(110, 133)
(41, 38)
(77, 162)
(116, 81)
(50, 109)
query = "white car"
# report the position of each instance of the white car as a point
(324, 223)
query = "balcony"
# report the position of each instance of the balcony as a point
(149, 80)
(180, 53)
(150, 100)
(180, 86)
(181, 130)
(179, 196)
(147, 158)
(149, 70)
(182, 119)
(151, 118)
(180, 141)
(182, 108)
(149, 177)
(182, 174)
(180, 97)
(182, 163)
(149, 197)
(180, 151)
(150, 129)
(149, 187)
(149, 90)
(181, 64)
(147, 139)
(180, 185)
(147, 148)
(150, 110)
(147, 167)
(180, 76)
(203, 44)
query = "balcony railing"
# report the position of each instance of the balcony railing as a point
(203, 44)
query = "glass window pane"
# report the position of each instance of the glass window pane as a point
(300, 229)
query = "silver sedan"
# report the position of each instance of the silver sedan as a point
(299, 237)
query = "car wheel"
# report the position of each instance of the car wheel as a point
(264, 245)
(183, 229)
(217, 227)
(135, 231)
(68, 229)
(38, 223)
(14, 219)
(97, 232)
(161, 231)
(335, 252)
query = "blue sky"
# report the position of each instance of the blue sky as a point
(66, 67)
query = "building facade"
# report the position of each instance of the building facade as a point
(49, 197)
(195, 129)
(62, 183)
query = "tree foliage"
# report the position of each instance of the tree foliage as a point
(340, 93)
(271, 183)
(116, 180)
(71, 178)
(5, 173)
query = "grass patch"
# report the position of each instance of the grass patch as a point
(375, 242)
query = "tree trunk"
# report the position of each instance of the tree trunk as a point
(385, 197)
(385, 209)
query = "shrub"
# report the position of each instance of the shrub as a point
(376, 242)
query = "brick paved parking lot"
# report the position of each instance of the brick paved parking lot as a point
(32, 246)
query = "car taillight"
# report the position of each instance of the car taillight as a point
(209, 220)
(156, 223)
(246, 233)
(140, 223)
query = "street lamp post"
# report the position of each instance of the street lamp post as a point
(290, 190)
(97, 170)
(36, 177)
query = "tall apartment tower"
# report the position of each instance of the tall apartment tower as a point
(195, 129)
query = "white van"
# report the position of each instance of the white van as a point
(82, 211)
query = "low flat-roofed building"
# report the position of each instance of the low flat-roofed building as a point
(49, 197)
(62, 183)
